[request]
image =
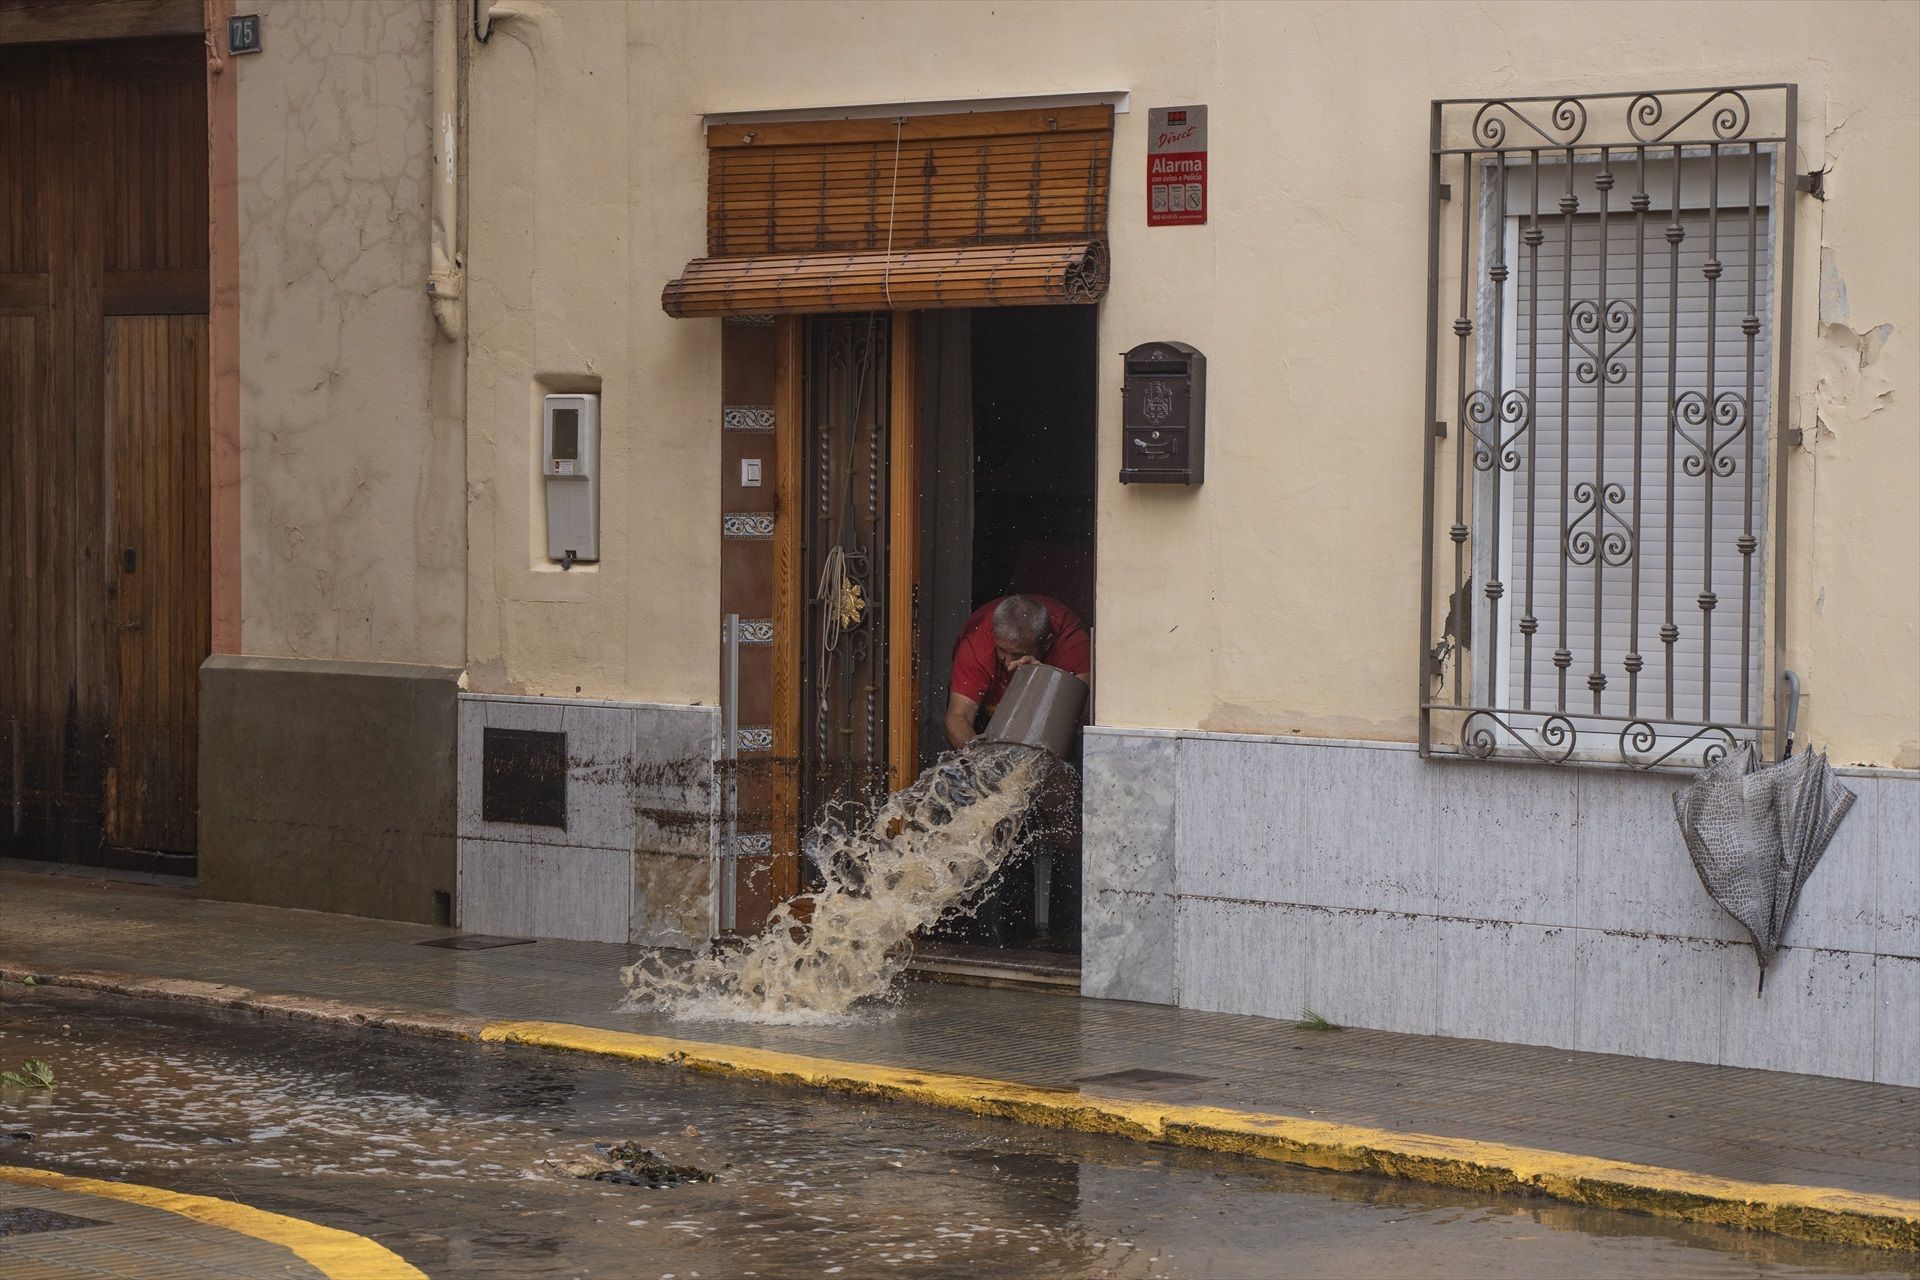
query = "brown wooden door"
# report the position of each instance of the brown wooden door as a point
(103, 405)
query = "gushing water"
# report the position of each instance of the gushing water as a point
(888, 874)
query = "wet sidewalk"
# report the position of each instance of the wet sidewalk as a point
(1710, 1126)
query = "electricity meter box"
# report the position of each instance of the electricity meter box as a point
(1163, 414)
(570, 463)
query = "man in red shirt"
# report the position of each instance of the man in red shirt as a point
(999, 638)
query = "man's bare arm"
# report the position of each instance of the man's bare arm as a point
(960, 715)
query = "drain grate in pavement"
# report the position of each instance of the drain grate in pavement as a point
(1143, 1077)
(474, 942)
(19, 1220)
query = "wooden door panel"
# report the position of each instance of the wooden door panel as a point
(156, 448)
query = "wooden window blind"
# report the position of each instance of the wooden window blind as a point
(984, 209)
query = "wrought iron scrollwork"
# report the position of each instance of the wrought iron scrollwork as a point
(1639, 740)
(1613, 546)
(1620, 323)
(1556, 733)
(1568, 120)
(1729, 120)
(1729, 409)
(1484, 410)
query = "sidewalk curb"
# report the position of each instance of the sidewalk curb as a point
(1812, 1213)
(1827, 1214)
(337, 1254)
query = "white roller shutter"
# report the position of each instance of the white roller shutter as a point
(1699, 554)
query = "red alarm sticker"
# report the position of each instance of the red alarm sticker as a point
(1176, 166)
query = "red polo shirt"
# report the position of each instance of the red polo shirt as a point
(977, 673)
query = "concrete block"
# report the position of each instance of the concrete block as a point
(1511, 982)
(1504, 842)
(329, 785)
(540, 891)
(1129, 946)
(1896, 1039)
(1815, 1016)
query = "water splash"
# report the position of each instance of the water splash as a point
(920, 857)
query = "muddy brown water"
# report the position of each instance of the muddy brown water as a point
(438, 1151)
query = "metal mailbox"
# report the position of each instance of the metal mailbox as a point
(1163, 415)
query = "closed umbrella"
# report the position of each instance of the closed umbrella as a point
(1756, 832)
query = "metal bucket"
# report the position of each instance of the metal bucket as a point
(1041, 709)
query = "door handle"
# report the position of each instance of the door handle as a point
(128, 558)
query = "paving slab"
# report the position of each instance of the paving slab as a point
(1735, 1132)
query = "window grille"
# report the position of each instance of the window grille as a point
(1609, 311)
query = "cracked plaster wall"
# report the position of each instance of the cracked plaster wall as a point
(1279, 597)
(353, 526)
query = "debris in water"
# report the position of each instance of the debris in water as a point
(888, 875)
(629, 1165)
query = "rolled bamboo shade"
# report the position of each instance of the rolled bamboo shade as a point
(1007, 275)
(803, 216)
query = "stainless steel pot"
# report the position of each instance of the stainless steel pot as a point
(1041, 708)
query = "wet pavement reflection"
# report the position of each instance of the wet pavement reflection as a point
(467, 1159)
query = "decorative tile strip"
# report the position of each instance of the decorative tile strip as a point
(755, 737)
(752, 631)
(747, 524)
(751, 846)
(746, 417)
(765, 319)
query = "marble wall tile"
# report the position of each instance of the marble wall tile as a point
(1503, 842)
(1816, 1014)
(535, 891)
(1634, 873)
(1893, 818)
(1240, 957)
(1511, 982)
(1285, 822)
(600, 808)
(672, 900)
(675, 788)
(1839, 905)
(1359, 968)
(1129, 946)
(1896, 1039)
(1128, 787)
(1653, 997)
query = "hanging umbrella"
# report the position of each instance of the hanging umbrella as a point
(1756, 832)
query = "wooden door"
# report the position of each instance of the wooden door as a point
(103, 367)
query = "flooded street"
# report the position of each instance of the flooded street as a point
(450, 1154)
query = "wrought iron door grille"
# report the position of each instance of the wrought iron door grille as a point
(1609, 321)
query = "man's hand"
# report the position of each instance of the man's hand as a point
(1025, 660)
(960, 716)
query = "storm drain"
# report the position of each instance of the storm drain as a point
(474, 942)
(19, 1220)
(1143, 1078)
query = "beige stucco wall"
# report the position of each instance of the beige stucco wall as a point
(1281, 596)
(353, 524)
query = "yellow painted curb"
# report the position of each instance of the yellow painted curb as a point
(337, 1254)
(1812, 1213)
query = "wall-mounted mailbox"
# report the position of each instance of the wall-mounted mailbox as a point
(1163, 414)
(570, 461)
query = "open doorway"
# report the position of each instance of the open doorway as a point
(1008, 477)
